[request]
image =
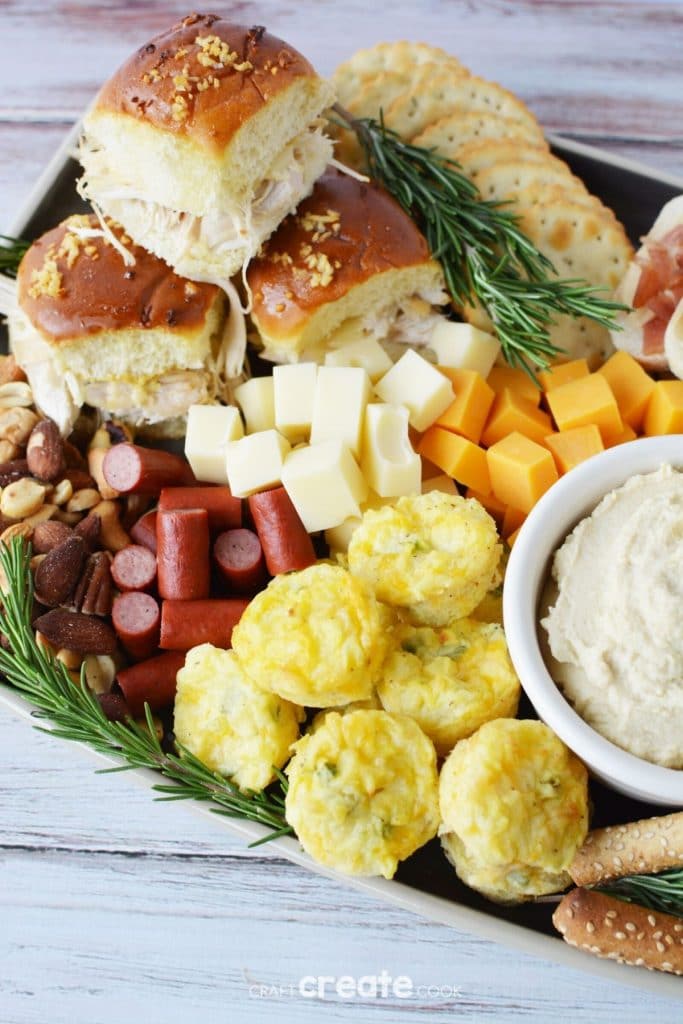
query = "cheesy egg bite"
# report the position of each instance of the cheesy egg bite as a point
(514, 810)
(363, 791)
(316, 637)
(450, 680)
(433, 555)
(230, 724)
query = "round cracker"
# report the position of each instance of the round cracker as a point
(451, 133)
(348, 77)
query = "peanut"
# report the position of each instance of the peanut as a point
(95, 460)
(42, 515)
(100, 672)
(70, 518)
(83, 500)
(9, 451)
(112, 536)
(15, 394)
(70, 659)
(22, 498)
(16, 425)
(36, 560)
(100, 439)
(62, 492)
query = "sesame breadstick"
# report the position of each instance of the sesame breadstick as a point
(615, 930)
(641, 847)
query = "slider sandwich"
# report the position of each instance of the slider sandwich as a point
(202, 142)
(137, 341)
(350, 264)
(623, 922)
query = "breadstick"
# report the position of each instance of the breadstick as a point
(610, 928)
(641, 847)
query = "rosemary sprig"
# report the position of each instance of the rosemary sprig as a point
(11, 252)
(77, 715)
(662, 892)
(484, 254)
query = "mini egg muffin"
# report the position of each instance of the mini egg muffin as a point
(450, 680)
(431, 555)
(316, 637)
(514, 810)
(230, 724)
(363, 791)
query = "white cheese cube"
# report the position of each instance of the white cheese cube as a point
(254, 463)
(365, 352)
(464, 347)
(256, 400)
(388, 461)
(442, 482)
(294, 391)
(209, 430)
(415, 383)
(324, 483)
(341, 395)
(337, 537)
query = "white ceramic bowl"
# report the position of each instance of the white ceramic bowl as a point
(568, 501)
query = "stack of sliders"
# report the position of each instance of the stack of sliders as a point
(347, 273)
(609, 927)
(431, 100)
(193, 152)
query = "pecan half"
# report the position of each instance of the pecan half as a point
(49, 535)
(59, 572)
(45, 451)
(77, 632)
(93, 595)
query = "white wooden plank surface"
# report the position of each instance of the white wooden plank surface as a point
(115, 908)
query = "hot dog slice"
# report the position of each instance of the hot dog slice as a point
(152, 682)
(225, 511)
(285, 542)
(145, 531)
(134, 568)
(239, 557)
(186, 624)
(183, 554)
(137, 619)
(130, 468)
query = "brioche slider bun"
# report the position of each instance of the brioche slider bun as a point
(349, 253)
(137, 341)
(203, 141)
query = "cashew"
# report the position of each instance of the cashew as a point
(70, 659)
(16, 425)
(70, 518)
(113, 536)
(83, 500)
(95, 460)
(43, 642)
(100, 672)
(21, 498)
(42, 515)
(15, 394)
(100, 439)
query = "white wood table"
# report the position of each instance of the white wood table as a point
(116, 908)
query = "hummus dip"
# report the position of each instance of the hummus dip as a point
(615, 624)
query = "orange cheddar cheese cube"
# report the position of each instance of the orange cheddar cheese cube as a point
(512, 520)
(473, 400)
(512, 412)
(586, 400)
(494, 507)
(455, 455)
(521, 471)
(631, 385)
(627, 434)
(502, 377)
(562, 373)
(570, 447)
(665, 409)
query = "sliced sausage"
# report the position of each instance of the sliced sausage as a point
(145, 531)
(225, 511)
(134, 568)
(130, 468)
(151, 682)
(239, 558)
(136, 619)
(285, 542)
(186, 624)
(183, 568)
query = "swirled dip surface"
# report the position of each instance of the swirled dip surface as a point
(616, 628)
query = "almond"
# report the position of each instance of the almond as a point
(45, 451)
(90, 529)
(78, 478)
(17, 469)
(94, 592)
(60, 571)
(49, 535)
(83, 633)
(74, 458)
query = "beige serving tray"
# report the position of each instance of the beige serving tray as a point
(426, 884)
